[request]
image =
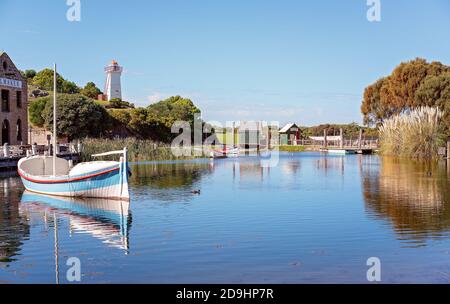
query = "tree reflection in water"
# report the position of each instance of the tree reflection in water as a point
(413, 195)
(155, 179)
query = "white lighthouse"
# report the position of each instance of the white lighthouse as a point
(113, 88)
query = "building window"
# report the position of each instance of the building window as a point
(5, 132)
(5, 65)
(19, 99)
(19, 130)
(5, 101)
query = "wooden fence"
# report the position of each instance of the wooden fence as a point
(347, 143)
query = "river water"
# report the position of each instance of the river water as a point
(310, 219)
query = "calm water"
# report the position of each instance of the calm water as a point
(312, 218)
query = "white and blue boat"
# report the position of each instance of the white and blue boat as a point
(53, 176)
(97, 179)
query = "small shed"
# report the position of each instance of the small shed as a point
(290, 135)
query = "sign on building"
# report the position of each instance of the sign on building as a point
(11, 83)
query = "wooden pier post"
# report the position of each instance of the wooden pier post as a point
(6, 150)
(233, 134)
(448, 156)
(448, 148)
(360, 138)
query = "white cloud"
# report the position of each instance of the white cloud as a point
(155, 97)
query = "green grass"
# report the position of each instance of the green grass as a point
(292, 148)
(226, 137)
(103, 103)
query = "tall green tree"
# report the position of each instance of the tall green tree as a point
(69, 87)
(162, 115)
(375, 108)
(35, 110)
(407, 78)
(435, 91)
(44, 81)
(396, 93)
(78, 117)
(28, 74)
(90, 90)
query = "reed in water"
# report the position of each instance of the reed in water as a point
(416, 134)
(138, 150)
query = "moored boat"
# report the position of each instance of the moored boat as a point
(341, 151)
(52, 175)
(99, 179)
(224, 153)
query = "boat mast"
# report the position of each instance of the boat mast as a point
(54, 120)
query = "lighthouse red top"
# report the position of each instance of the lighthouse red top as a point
(113, 67)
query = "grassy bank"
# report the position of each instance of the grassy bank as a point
(292, 148)
(138, 150)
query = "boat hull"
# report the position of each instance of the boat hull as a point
(111, 183)
(341, 151)
(226, 153)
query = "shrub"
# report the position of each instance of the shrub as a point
(117, 103)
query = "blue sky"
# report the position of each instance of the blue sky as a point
(301, 61)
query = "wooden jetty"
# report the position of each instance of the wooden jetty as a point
(340, 145)
(10, 155)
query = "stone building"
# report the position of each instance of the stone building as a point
(14, 103)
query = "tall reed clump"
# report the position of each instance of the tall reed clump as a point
(416, 134)
(138, 150)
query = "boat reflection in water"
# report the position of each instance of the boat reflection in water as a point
(104, 219)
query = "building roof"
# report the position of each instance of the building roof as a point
(12, 65)
(287, 127)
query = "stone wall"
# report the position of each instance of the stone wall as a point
(39, 136)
